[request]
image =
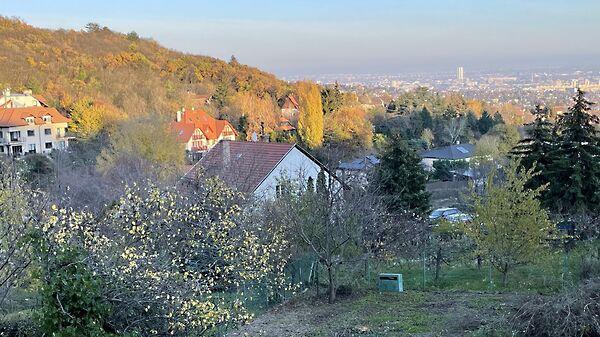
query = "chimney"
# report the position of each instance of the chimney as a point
(28, 92)
(178, 117)
(226, 153)
(6, 93)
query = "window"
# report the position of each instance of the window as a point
(15, 135)
(31, 148)
(1, 134)
(47, 131)
(47, 119)
(30, 133)
(58, 133)
(49, 145)
(29, 120)
(278, 190)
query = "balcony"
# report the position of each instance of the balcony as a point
(12, 140)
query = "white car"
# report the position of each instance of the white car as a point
(450, 214)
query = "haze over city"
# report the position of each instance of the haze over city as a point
(382, 36)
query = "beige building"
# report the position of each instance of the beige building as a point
(32, 129)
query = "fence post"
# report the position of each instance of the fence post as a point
(423, 280)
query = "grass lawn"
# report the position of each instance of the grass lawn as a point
(412, 313)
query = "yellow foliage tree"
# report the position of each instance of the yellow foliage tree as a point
(349, 124)
(310, 121)
(89, 118)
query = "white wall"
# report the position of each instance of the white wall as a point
(294, 166)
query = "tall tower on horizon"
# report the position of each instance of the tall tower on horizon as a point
(460, 74)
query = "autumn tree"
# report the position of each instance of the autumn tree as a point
(509, 224)
(89, 117)
(349, 125)
(310, 121)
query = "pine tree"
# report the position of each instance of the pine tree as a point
(485, 123)
(535, 150)
(400, 178)
(575, 168)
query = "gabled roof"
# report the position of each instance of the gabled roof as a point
(290, 102)
(16, 116)
(241, 165)
(452, 152)
(183, 131)
(360, 164)
(199, 119)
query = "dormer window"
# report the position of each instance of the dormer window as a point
(29, 120)
(47, 119)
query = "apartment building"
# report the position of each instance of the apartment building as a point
(32, 129)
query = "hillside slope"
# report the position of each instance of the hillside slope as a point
(132, 74)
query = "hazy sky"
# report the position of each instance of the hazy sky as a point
(334, 36)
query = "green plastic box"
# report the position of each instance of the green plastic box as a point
(390, 283)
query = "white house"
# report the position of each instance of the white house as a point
(20, 100)
(34, 129)
(259, 168)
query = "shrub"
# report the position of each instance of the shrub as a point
(572, 313)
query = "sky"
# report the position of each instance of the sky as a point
(293, 37)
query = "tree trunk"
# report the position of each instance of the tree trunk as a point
(438, 262)
(479, 262)
(331, 284)
(505, 275)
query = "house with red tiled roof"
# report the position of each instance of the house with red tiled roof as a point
(32, 129)
(199, 131)
(289, 107)
(260, 168)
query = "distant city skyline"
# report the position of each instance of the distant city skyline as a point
(382, 36)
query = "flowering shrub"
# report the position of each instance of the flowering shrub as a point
(170, 263)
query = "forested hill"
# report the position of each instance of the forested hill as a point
(132, 74)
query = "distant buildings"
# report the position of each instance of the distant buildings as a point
(21, 100)
(460, 74)
(259, 169)
(199, 131)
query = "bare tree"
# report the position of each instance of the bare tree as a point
(18, 214)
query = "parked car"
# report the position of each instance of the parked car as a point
(451, 214)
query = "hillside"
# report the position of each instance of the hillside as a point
(132, 74)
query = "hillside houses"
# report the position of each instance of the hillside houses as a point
(28, 125)
(199, 131)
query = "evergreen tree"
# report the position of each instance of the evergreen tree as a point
(243, 127)
(426, 118)
(485, 123)
(536, 149)
(498, 119)
(575, 168)
(221, 95)
(400, 178)
(332, 98)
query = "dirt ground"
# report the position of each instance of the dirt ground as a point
(388, 314)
